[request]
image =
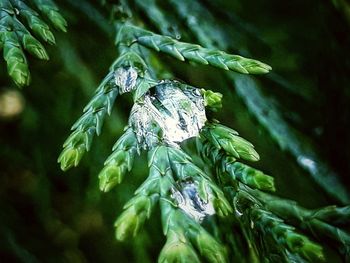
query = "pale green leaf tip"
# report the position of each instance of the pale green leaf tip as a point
(109, 177)
(49, 37)
(70, 157)
(41, 53)
(107, 185)
(21, 78)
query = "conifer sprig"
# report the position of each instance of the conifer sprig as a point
(89, 124)
(34, 22)
(13, 54)
(198, 54)
(137, 210)
(129, 71)
(167, 165)
(285, 236)
(211, 35)
(15, 37)
(194, 52)
(119, 162)
(317, 222)
(51, 11)
(227, 140)
(249, 175)
(171, 169)
(182, 234)
(230, 170)
(237, 174)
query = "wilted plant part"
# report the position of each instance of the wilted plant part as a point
(18, 23)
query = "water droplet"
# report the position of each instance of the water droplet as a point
(125, 78)
(170, 112)
(187, 198)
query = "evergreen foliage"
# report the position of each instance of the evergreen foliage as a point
(15, 37)
(213, 205)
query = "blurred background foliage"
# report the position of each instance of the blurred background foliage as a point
(48, 216)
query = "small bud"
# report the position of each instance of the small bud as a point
(44, 33)
(70, 157)
(34, 47)
(138, 209)
(57, 20)
(212, 99)
(19, 72)
(128, 224)
(110, 176)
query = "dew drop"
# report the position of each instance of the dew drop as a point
(187, 198)
(125, 78)
(170, 112)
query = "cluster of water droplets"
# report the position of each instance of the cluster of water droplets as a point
(169, 113)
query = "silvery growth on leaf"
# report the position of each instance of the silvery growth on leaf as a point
(187, 198)
(170, 112)
(125, 79)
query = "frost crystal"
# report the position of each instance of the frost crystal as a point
(125, 79)
(187, 198)
(171, 112)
